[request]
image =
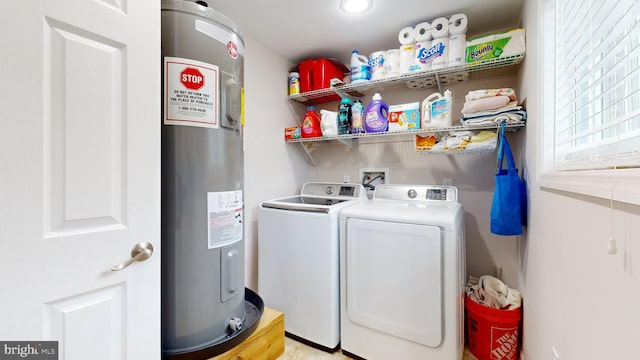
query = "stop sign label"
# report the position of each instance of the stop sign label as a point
(191, 93)
(192, 78)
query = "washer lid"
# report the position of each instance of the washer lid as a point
(305, 203)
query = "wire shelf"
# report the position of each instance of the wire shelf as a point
(408, 133)
(414, 80)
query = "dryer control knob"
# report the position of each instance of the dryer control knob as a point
(329, 190)
(412, 193)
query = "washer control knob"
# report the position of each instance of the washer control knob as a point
(412, 193)
(329, 190)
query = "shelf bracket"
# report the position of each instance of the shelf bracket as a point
(438, 82)
(346, 142)
(334, 84)
(305, 147)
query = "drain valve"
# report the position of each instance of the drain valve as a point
(235, 324)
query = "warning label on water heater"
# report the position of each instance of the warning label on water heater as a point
(190, 93)
(224, 212)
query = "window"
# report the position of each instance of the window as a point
(591, 87)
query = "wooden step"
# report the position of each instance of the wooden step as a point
(266, 342)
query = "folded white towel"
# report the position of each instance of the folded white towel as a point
(489, 144)
(490, 103)
(511, 106)
(509, 117)
(485, 93)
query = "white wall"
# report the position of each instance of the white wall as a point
(271, 167)
(577, 297)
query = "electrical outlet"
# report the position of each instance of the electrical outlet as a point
(371, 177)
(447, 182)
(554, 354)
(346, 179)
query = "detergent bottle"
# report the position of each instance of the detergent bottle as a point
(357, 117)
(360, 69)
(376, 117)
(311, 123)
(344, 117)
(436, 110)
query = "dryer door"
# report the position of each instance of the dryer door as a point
(394, 279)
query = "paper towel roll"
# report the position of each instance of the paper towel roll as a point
(422, 32)
(441, 61)
(457, 48)
(458, 24)
(440, 27)
(406, 58)
(406, 36)
(376, 63)
(392, 63)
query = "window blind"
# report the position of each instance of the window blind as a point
(597, 84)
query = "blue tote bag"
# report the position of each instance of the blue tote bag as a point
(509, 207)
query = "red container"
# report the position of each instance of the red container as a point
(316, 74)
(306, 69)
(325, 70)
(493, 333)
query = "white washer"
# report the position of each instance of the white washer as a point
(402, 271)
(298, 259)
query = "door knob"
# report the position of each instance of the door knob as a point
(140, 252)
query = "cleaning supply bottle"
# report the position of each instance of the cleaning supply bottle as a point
(357, 117)
(376, 118)
(360, 69)
(436, 110)
(311, 123)
(344, 117)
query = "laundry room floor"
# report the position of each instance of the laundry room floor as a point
(294, 350)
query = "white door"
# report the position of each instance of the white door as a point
(80, 175)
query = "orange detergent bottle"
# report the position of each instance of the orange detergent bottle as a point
(311, 123)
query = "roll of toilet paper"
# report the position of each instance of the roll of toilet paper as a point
(406, 36)
(376, 63)
(442, 60)
(458, 24)
(392, 63)
(422, 32)
(406, 58)
(440, 28)
(421, 62)
(457, 48)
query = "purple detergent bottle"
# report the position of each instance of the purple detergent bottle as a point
(376, 117)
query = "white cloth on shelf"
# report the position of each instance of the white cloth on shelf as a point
(508, 117)
(485, 104)
(492, 292)
(485, 93)
(512, 106)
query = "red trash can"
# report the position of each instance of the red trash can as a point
(493, 333)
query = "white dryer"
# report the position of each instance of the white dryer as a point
(402, 274)
(298, 259)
